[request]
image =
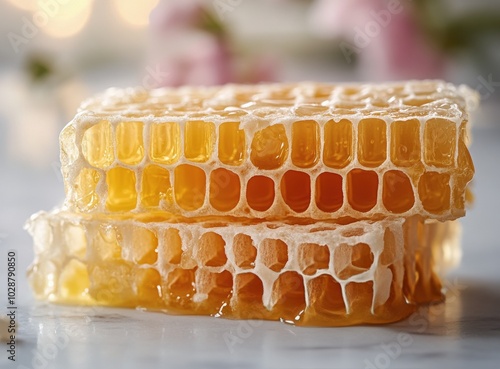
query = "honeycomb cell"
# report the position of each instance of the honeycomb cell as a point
(143, 247)
(313, 257)
(171, 247)
(417, 101)
(69, 150)
(189, 187)
(248, 288)
(103, 245)
(440, 141)
(111, 283)
(85, 189)
(231, 143)
(210, 250)
(351, 260)
(76, 241)
(434, 191)
(288, 296)
(405, 142)
(325, 296)
(122, 195)
(244, 251)
(217, 286)
(372, 142)
(296, 190)
(397, 192)
(362, 187)
(269, 148)
(329, 194)
(156, 187)
(460, 190)
(74, 280)
(360, 296)
(337, 152)
(389, 253)
(165, 143)
(129, 142)
(273, 254)
(148, 286)
(260, 193)
(224, 189)
(199, 141)
(180, 285)
(97, 145)
(305, 143)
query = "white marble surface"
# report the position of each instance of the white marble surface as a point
(462, 333)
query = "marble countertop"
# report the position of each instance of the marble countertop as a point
(464, 332)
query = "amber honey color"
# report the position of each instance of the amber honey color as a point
(320, 274)
(311, 203)
(402, 175)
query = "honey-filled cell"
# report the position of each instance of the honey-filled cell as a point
(85, 189)
(325, 296)
(224, 189)
(329, 193)
(156, 186)
(231, 143)
(269, 148)
(97, 145)
(434, 191)
(305, 143)
(362, 187)
(248, 288)
(189, 186)
(165, 143)
(199, 141)
(296, 190)
(440, 141)
(372, 142)
(122, 195)
(397, 192)
(337, 152)
(129, 142)
(260, 193)
(405, 142)
(170, 250)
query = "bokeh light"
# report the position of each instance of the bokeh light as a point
(65, 19)
(135, 13)
(24, 4)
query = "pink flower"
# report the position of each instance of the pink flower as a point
(404, 52)
(190, 47)
(193, 58)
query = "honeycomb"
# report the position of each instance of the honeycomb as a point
(313, 204)
(272, 152)
(316, 274)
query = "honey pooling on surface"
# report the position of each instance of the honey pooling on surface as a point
(311, 203)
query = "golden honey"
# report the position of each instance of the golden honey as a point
(315, 204)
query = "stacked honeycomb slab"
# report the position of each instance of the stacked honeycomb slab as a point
(311, 203)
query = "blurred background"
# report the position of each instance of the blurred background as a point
(55, 53)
